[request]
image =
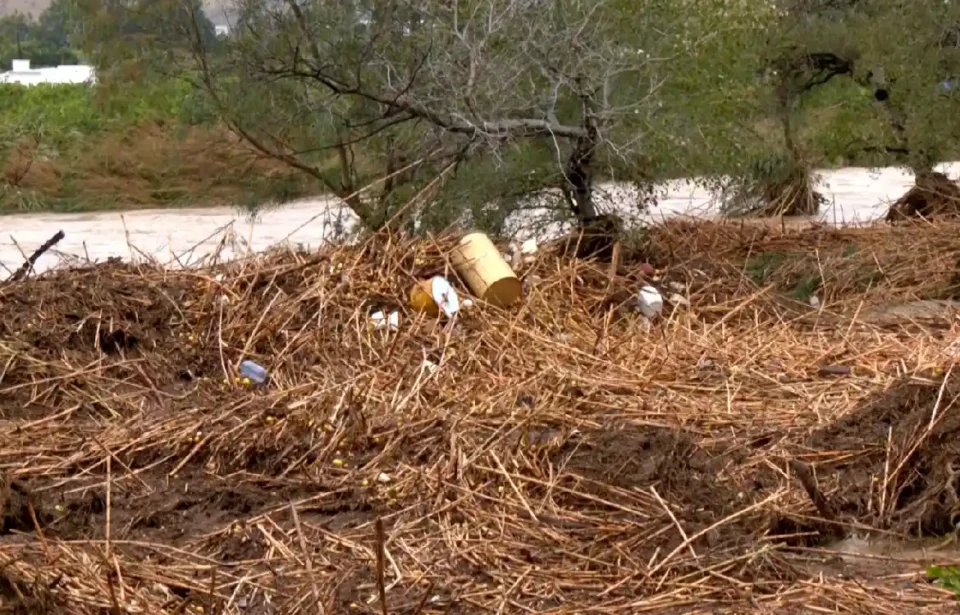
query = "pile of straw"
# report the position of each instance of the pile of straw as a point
(934, 194)
(559, 457)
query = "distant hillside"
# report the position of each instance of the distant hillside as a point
(216, 9)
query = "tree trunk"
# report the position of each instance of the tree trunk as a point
(918, 160)
(347, 190)
(786, 125)
(579, 178)
(785, 98)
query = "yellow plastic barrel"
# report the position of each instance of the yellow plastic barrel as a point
(482, 267)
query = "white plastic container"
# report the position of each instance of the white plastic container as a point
(650, 301)
(434, 296)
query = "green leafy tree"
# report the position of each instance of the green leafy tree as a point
(890, 57)
(149, 33)
(42, 41)
(59, 25)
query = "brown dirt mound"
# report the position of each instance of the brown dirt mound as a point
(614, 459)
(934, 194)
(895, 463)
(850, 270)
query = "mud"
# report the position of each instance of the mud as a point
(897, 459)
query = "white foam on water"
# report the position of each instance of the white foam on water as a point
(855, 196)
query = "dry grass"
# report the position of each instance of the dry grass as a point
(148, 166)
(561, 459)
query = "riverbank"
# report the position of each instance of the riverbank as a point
(144, 167)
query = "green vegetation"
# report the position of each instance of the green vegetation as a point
(471, 108)
(947, 577)
(141, 137)
(150, 144)
(761, 266)
(45, 41)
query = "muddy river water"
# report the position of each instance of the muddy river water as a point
(855, 195)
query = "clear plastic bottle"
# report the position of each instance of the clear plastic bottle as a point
(254, 371)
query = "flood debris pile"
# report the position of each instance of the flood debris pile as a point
(894, 462)
(933, 195)
(562, 455)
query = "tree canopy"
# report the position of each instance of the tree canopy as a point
(426, 113)
(45, 41)
(525, 95)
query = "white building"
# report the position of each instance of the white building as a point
(23, 74)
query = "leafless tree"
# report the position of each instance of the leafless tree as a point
(429, 84)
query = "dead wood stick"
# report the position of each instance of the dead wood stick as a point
(27, 266)
(381, 563)
(805, 476)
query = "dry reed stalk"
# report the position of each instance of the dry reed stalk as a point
(533, 471)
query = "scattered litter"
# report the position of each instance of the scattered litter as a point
(516, 257)
(445, 296)
(485, 271)
(430, 366)
(647, 269)
(466, 303)
(650, 302)
(814, 301)
(434, 296)
(383, 477)
(530, 281)
(678, 299)
(421, 298)
(528, 251)
(677, 286)
(254, 371)
(383, 321)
